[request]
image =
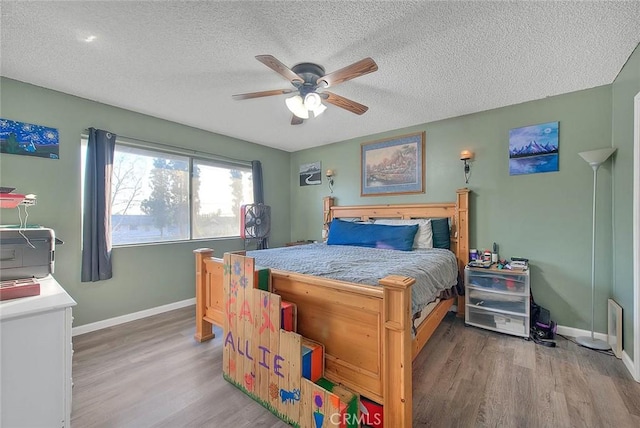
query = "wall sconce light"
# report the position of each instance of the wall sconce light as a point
(330, 173)
(466, 156)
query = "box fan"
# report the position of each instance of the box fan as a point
(255, 223)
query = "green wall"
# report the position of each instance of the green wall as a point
(625, 87)
(544, 217)
(144, 276)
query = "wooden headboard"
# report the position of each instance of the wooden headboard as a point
(457, 212)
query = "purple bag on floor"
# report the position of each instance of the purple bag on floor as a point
(542, 328)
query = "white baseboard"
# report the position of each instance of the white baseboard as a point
(576, 332)
(98, 325)
(628, 362)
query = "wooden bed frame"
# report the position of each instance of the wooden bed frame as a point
(366, 330)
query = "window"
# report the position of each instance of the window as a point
(159, 196)
(219, 191)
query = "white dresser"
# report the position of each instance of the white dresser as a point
(35, 359)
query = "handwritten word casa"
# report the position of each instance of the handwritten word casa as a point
(242, 347)
(246, 315)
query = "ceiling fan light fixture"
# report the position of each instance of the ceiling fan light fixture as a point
(319, 110)
(307, 79)
(297, 107)
(312, 101)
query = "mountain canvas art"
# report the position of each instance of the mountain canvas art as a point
(533, 149)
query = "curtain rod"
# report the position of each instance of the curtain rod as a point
(178, 150)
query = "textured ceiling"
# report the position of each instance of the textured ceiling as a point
(182, 61)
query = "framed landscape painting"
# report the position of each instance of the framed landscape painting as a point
(393, 166)
(310, 174)
(533, 149)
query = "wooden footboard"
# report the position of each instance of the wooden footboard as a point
(366, 330)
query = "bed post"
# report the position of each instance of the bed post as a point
(397, 352)
(204, 329)
(327, 203)
(462, 232)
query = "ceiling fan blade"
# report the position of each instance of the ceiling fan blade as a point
(263, 94)
(344, 103)
(274, 64)
(357, 69)
(295, 120)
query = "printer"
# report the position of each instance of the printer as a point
(26, 252)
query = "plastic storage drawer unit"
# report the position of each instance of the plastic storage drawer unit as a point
(498, 300)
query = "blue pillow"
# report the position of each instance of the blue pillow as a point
(440, 231)
(372, 235)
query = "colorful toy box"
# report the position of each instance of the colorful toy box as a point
(288, 316)
(312, 359)
(349, 413)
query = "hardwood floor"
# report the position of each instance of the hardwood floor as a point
(152, 373)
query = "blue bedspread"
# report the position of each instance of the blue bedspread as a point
(434, 269)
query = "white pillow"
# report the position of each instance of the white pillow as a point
(424, 236)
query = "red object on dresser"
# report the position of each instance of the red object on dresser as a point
(15, 288)
(10, 200)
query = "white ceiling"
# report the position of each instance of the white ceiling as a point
(182, 61)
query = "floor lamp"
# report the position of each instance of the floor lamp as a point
(594, 158)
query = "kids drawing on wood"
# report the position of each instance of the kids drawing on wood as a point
(266, 361)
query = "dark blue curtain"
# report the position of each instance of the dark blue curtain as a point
(258, 190)
(258, 194)
(96, 226)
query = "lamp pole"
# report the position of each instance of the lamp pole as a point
(595, 158)
(593, 250)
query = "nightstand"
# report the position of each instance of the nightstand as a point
(497, 299)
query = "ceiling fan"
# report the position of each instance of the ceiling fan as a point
(310, 81)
